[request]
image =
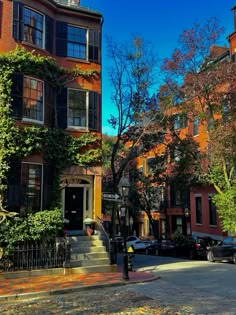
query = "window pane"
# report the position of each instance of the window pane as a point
(195, 126)
(77, 108)
(33, 27)
(198, 203)
(33, 99)
(77, 40)
(31, 184)
(212, 212)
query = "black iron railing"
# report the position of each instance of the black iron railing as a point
(36, 255)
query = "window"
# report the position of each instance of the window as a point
(198, 205)
(77, 107)
(212, 212)
(195, 126)
(77, 42)
(76, 45)
(176, 195)
(33, 28)
(32, 186)
(180, 121)
(33, 103)
(150, 165)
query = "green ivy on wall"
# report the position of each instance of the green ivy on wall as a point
(60, 149)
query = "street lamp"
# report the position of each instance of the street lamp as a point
(124, 186)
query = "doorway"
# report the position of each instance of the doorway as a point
(74, 205)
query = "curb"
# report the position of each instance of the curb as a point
(21, 296)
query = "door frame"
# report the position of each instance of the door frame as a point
(87, 194)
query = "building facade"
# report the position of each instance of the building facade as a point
(71, 35)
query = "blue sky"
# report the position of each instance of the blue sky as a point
(159, 21)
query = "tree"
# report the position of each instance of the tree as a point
(200, 80)
(133, 75)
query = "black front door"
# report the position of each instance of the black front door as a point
(74, 207)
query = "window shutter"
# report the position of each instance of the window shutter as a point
(14, 186)
(94, 111)
(17, 95)
(48, 175)
(49, 104)
(62, 109)
(94, 46)
(49, 29)
(61, 39)
(18, 20)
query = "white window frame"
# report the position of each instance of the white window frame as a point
(87, 110)
(86, 43)
(43, 103)
(41, 183)
(43, 31)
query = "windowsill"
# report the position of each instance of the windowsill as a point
(77, 60)
(34, 46)
(78, 129)
(199, 224)
(196, 135)
(32, 121)
(213, 226)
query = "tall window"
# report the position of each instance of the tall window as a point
(212, 212)
(33, 27)
(150, 165)
(32, 186)
(77, 42)
(198, 205)
(33, 99)
(195, 126)
(180, 121)
(78, 108)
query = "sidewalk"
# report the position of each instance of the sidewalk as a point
(11, 289)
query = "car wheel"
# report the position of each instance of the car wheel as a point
(157, 252)
(210, 257)
(234, 258)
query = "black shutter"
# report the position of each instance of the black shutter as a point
(61, 39)
(94, 46)
(94, 111)
(17, 95)
(14, 186)
(18, 20)
(49, 104)
(62, 109)
(49, 29)
(48, 172)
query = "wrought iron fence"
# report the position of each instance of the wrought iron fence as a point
(36, 255)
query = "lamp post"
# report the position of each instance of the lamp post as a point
(124, 186)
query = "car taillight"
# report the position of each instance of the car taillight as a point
(197, 245)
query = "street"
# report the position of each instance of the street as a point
(184, 287)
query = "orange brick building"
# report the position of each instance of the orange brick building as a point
(70, 34)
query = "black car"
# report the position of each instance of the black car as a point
(161, 247)
(225, 251)
(194, 247)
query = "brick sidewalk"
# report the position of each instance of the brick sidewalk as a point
(52, 284)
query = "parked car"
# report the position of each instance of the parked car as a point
(136, 243)
(161, 247)
(194, 247)
(224, 251)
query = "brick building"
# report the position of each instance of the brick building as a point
(70, 34)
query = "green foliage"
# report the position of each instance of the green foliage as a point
(226, 207)
(61, 149)
(35, 226)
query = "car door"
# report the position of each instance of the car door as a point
(223, 252)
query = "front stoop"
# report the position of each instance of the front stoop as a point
(88, 255)
(88, 252)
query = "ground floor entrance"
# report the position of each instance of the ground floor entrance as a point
(74, 205)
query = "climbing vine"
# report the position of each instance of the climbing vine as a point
(60, 148)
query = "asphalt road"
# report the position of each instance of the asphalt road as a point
(216, 278)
